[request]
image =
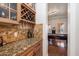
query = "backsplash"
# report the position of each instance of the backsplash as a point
(38, 31)
(12, 33)
(7, 33)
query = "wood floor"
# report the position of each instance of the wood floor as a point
(56, 51)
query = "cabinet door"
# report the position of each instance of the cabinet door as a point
(13, 11)
(13, 6)
(26, 53)
(5, 9)
(30, 53)
(38, 49)
(4, 12)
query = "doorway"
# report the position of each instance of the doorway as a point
(57, 29)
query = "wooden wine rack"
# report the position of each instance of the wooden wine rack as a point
(27, 13)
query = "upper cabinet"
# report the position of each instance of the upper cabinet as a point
(8, 13)
(14, 12)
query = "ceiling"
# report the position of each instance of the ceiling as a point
(57, 9)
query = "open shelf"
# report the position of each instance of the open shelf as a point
(27, 21)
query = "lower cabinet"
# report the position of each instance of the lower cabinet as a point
(38, 49)
(30, 53)
(35, 50)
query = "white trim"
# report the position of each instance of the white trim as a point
(71, 29)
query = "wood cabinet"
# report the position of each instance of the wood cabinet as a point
(30, 53)
(8, 13)
(34, 50)
(38, 49)
(17, 11)
(13, 13)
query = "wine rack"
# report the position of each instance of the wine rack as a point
(27, 18)
(27, 13)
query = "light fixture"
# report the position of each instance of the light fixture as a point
(53, 11)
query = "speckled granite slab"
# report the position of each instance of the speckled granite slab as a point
(16, 47)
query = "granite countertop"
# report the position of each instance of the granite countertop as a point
(16, 47)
